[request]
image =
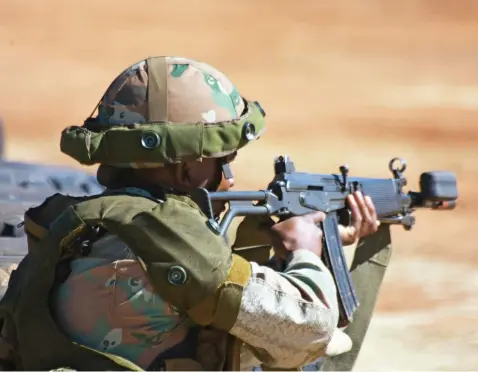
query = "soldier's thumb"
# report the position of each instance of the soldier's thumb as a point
(316, 217)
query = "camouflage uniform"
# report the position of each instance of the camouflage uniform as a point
(285, 319)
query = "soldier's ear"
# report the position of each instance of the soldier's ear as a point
(179, 172)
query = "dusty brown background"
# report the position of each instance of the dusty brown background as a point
(354, 82)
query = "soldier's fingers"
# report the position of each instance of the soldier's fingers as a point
(367, 221)
(347, 234)
(356, 216)
(373, 213)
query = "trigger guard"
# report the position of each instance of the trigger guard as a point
(345, 217)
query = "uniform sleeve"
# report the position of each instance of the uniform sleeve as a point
(289, 319)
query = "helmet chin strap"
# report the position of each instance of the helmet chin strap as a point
(226, 171)
(226, 174)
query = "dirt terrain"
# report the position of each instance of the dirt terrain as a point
(350, 81)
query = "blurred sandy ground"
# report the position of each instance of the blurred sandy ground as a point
(354, 82)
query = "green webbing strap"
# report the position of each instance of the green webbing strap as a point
(368, 269)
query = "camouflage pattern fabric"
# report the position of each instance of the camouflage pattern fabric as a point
(190, 92)
(128, 318)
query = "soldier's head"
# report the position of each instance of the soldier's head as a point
(170, 121)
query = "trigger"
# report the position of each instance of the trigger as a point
(345, 217)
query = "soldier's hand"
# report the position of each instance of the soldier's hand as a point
(304, 232)
(300, 232)
(364, 219)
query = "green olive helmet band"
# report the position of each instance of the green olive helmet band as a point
(161, 142)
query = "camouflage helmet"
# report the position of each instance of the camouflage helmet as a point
(165, 110)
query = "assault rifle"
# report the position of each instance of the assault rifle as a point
(293, 193)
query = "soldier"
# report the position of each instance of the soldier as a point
(147, 279)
